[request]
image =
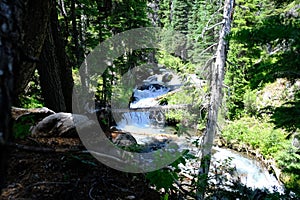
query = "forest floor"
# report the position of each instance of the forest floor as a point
(35, 172)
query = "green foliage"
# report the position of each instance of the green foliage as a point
(121, 97)
(180, 15)
(264, 45)
(258, 134)
(185, 118)
(289, 161)
(21, 128)
(32, 97)
(166, 177)
(292, 182)
(287, 116)
(174, 63)
(88, 23)
(250, 102)
(33, 101)
(162, 178)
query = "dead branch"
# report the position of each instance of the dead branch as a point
(208, 48)
(168, 94)
(19, 112)
(46, 183)
(211, 18)
(90, 193)
(157, 108)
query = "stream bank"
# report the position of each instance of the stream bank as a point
(269, 164)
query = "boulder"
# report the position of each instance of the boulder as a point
(296, 141)
(124, 139)
(62, 125)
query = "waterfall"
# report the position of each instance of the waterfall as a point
(146, 98)
(139, 119)
(142, 99)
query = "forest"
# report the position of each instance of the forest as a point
(150, 99)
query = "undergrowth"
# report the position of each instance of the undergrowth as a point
(271, 142)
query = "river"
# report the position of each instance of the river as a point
(148, 129)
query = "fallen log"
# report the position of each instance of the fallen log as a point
(17, 113)
(147, 109)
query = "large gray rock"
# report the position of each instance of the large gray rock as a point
(62, 125)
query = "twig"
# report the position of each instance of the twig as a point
(168, 94)
(187, 176)
(211, 27)
(90, 193)
(184, 191)
(47, 183)
(122, 189)
(33, 140)
(156, 108)
(61, 150)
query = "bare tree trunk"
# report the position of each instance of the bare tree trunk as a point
(10, 37)
(216, 95)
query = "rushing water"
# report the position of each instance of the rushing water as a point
(140, 122)
(146, 98)
(249, 172)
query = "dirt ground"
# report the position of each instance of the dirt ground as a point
(35, 172)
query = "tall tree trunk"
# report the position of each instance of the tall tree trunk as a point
(48, 69)
(55, 70)
(65, 67)
(10, 38)
(35, 20)
(216, 95)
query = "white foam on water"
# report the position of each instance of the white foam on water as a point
(250, 172)
(146, 98)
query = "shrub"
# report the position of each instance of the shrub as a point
(258, 134)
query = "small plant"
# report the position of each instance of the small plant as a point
(32, 97)
(250, 102)
(21, 128)
(166, 177)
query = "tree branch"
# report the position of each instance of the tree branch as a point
(208, 48)
(211, 18)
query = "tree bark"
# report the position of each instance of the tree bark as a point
(216, 95)
(55, 70)
(65, 67)
(50, 81)
(10, 15)
(35, 20)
